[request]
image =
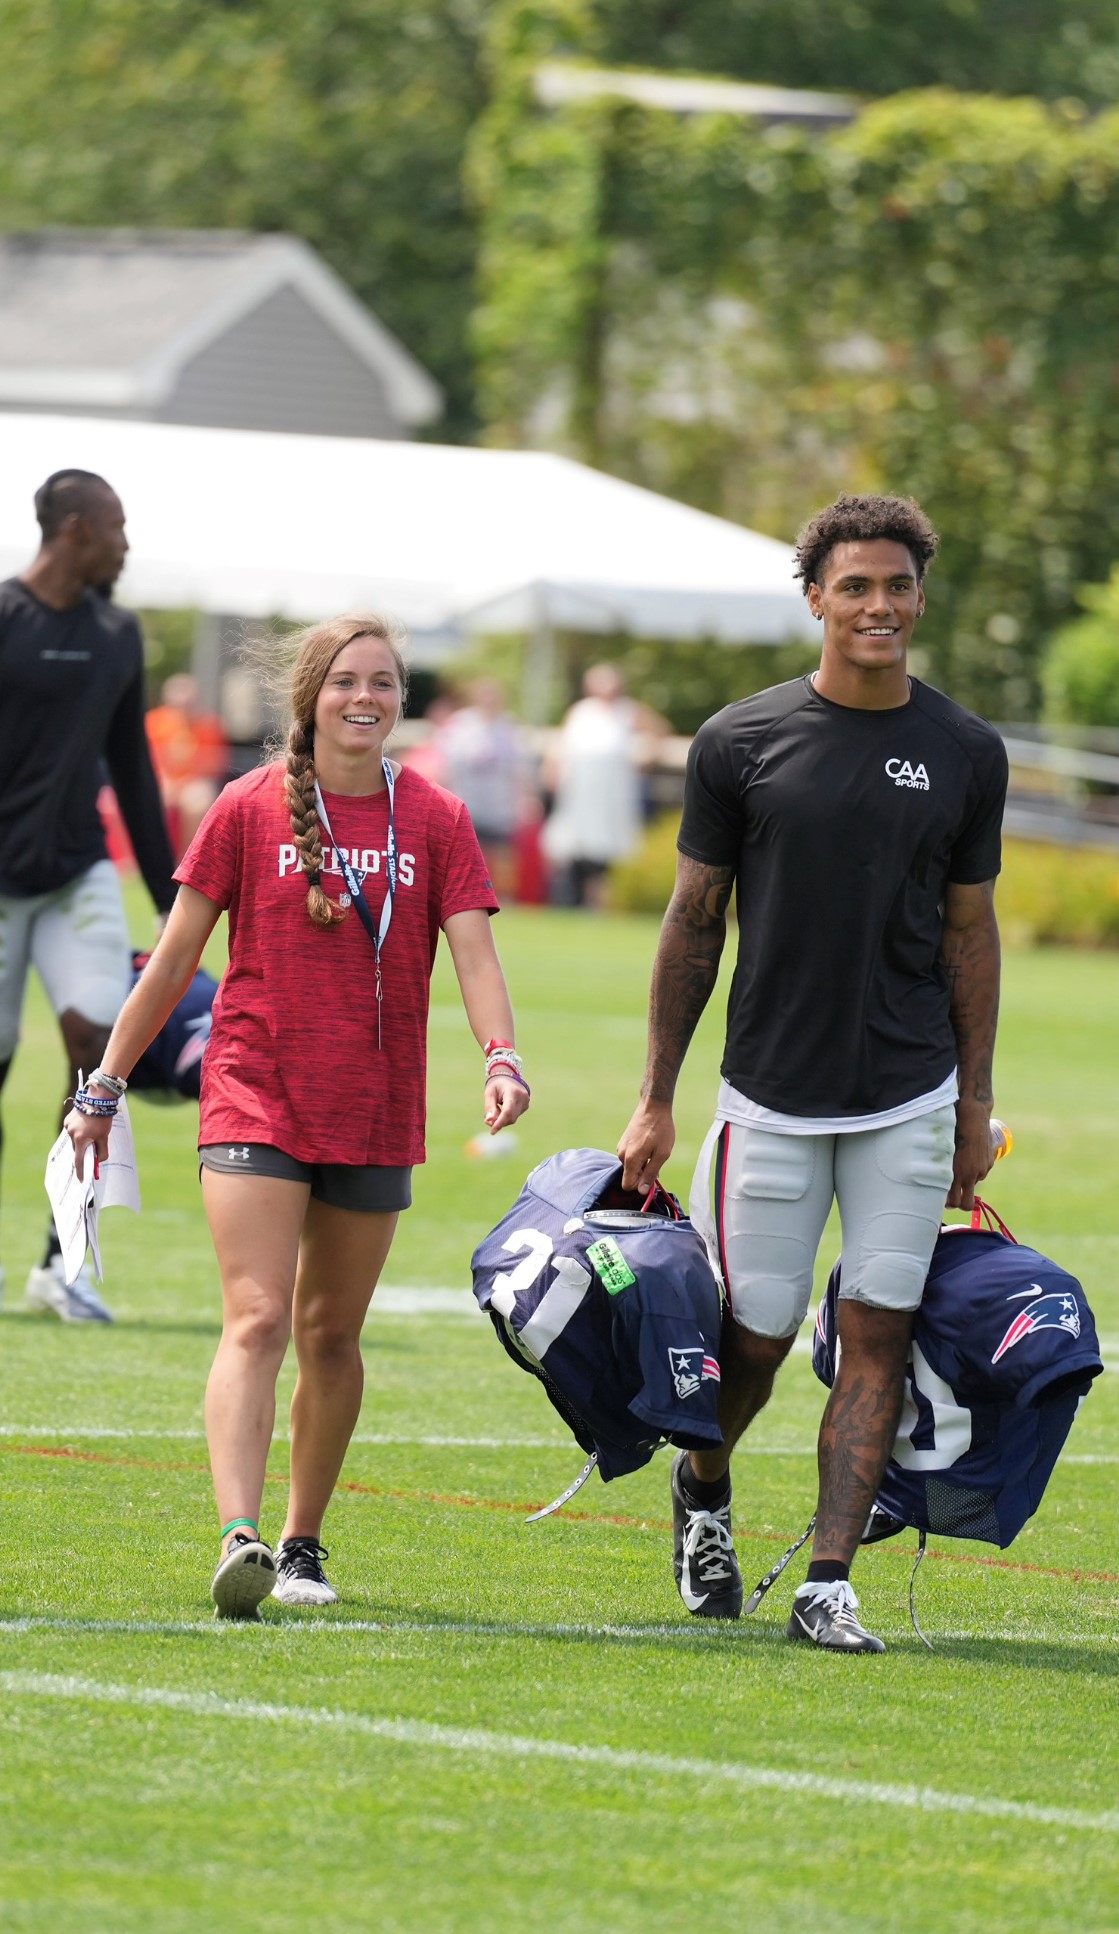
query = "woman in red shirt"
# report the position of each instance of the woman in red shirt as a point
(337, 869)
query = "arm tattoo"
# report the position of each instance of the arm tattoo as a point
(970, 953)
(685, 970)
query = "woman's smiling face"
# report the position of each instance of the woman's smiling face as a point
(359, 700)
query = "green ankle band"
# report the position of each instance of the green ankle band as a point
(235, 1522)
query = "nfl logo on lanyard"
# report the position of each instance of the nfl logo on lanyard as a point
(353, 896)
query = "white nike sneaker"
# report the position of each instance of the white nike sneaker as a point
(76, 1302)
(300, 1578)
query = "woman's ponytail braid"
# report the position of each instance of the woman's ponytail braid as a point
(299, 796)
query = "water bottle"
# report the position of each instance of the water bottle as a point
(1002, 1141)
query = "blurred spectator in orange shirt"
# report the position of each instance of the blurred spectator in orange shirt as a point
(190, 752)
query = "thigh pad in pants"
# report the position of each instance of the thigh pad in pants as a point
(776, 1193)
(891, 1185)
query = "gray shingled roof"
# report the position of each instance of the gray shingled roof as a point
(108, 318)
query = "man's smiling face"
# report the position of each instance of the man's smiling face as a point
(869, 600)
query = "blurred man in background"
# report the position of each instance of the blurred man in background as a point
(72, 677)
(486, 765)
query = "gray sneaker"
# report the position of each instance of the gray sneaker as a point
(78, 1302)
(824, 1615)
(245, 1576)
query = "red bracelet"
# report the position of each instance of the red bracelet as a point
(495, 1043)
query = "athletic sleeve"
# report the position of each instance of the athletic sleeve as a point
(467, 886)
(711, 823)
(977, 853)
(130, 767)
(211, 863)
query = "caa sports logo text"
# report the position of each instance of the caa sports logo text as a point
(903, 774)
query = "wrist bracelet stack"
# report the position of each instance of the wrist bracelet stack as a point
(502, 1054)
(87, 1104)
(107, 1103)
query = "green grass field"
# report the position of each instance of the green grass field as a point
(511, 1727)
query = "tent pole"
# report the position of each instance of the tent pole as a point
(540, 664)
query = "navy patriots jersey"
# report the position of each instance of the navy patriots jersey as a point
(1004, 1349)
(171, 1067)
(617, 1312)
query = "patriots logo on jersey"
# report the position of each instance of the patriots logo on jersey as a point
(1052, 1312)
(690, 1368)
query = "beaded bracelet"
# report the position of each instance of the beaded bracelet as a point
(87, 1104)
(513, 1076)
(504, 1057)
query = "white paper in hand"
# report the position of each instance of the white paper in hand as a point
(77, 1201)
(69, 1195)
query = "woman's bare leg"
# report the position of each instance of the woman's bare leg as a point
(255, 1222)
(340, 1260)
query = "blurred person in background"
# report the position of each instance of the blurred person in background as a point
(426, 755)
(190, 752)
(486, 765)
(337, 869)
(594, 772)
(857, 815)
(72, 678)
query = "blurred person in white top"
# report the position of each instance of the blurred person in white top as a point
(594, 772)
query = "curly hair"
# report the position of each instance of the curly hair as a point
(851, 520)
(315, 652)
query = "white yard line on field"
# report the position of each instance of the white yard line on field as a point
(63, 1433)
(478, 1743)
(230, 1631)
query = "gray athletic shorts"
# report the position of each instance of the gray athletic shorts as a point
(76, 938)
(773, 1194)
(341, 1185)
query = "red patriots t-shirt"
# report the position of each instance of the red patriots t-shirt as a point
(293, 1058)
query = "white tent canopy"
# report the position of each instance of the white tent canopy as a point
(450, 540)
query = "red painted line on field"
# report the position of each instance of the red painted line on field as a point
(462, 1501)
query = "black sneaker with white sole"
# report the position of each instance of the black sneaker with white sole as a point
(245, 1576)
(300, 1578)
(703, 1555)
(824, 1615)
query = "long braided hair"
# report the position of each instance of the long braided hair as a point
(315, 652)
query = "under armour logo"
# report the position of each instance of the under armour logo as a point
(239, 1154)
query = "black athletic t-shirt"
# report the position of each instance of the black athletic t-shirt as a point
(844, 827)
(72, 694)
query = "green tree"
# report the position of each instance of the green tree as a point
(344, 124)
(752, 318)
(874, 47)
(1080, 675)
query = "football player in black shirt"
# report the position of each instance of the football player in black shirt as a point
(857, 814)
(72, 677)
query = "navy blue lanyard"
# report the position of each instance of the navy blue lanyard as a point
(353, 881)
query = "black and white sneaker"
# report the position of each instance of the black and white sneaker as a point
(824, 1615)
(300, 1578)
(703, 1554)
(245, 1576)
